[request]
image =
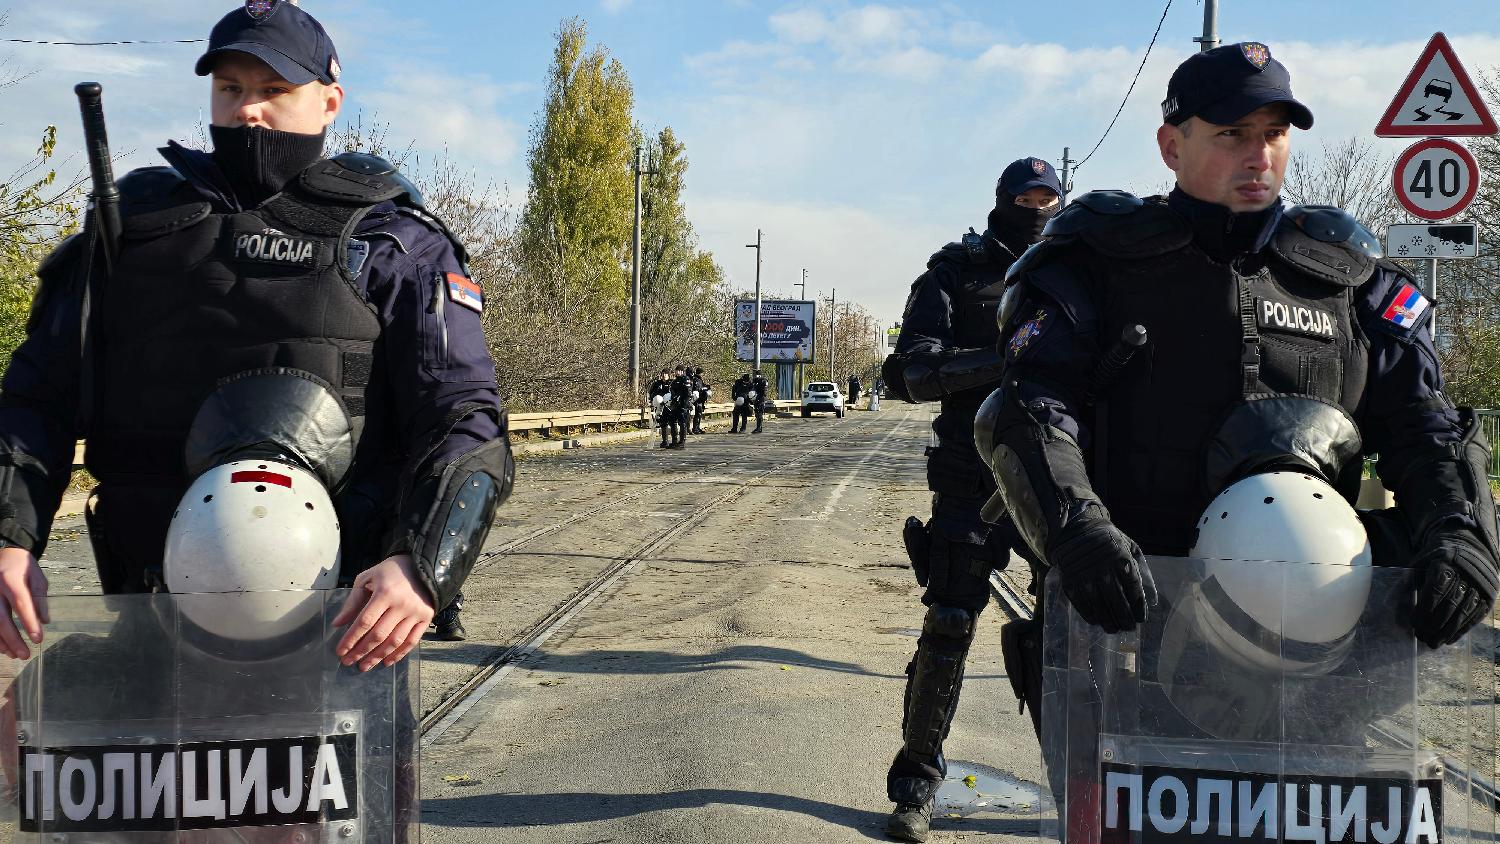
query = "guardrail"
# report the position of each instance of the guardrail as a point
(1489, 422)
(563, 421)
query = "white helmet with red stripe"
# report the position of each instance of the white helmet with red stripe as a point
(248, 541)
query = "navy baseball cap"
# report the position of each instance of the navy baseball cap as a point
(1226, 83)
(280, 34)
(1025, 174)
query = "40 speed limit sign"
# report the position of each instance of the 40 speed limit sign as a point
(1436, 178)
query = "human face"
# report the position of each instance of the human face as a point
(247, 92)
(1239, 165)
(1040, 198)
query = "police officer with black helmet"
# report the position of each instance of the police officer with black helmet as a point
(947, 354)
(261, 256)
(1274, 336)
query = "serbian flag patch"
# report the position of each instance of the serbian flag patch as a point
(1406, 307)
(463, 291)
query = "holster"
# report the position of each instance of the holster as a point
(1021, 648)
(918, 547)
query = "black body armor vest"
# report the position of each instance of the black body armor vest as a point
(1280, 322)
(198, 296)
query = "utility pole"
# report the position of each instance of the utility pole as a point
(1067, 186)
(833, 309)
(802, 294)
(1210, 37)
(757, 247)
(635, 283)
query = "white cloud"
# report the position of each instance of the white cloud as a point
(614, 6)
(463, 115)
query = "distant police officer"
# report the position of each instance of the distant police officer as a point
(1275, 337)
(261, 256)
(947, 353)
(701, 393)
(660, 396)
(680, 411)
(759, 391)
(741, 395)
(854, 387)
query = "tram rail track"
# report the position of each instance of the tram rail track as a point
(504, 657)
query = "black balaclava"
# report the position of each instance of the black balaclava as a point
(258, 162)
(1223, 234)
(1017, 226)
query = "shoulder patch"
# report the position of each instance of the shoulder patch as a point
(465, 292)
(1024, 334)
(1404, 308)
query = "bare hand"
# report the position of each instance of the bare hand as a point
(23, 591)
(389, 610)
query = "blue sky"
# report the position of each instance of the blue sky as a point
(859, 136)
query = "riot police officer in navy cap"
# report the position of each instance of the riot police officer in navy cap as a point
(1275, 337)
(947, 354)
(263, 256)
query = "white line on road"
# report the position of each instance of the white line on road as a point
(843, 486)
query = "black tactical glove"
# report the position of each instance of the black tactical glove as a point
(1104, 573)
(1459, 580)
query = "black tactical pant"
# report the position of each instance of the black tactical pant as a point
(952, 556)
(741, 418)
(760, 409)
(698, 417)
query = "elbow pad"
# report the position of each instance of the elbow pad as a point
(446, 537)
(929, 378)
(1039, 470)
(1448, 484)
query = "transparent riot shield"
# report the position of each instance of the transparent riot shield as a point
(173, 718)
(1298, 707)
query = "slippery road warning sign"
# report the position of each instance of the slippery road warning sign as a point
(1436, 178)
(1437, 98)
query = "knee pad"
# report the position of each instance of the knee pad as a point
(954, 624)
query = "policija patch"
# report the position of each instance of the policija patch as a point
(273, 247)
(1298, 319)
(1029, 330)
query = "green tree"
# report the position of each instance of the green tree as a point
(575, 230)
(36, 212)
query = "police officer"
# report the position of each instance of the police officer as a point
(701, 393)
(947, 353)
(680, 410)
(759, 389)
(1274, 337)
(661, 388)
(262, 255)
(854, 387)
(741, 394)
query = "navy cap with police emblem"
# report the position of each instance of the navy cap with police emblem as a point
(1226, 83)
(280, 34)
(1027, 173)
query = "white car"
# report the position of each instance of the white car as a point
(822, 395)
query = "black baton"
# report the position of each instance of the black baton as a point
(104, 199)
(1131, 339)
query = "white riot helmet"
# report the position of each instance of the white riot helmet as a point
(261, 534)
(1299, 619)
(254, 543)
(739, 401)
(753, 394)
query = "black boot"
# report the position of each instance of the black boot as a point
(449, 627)
(910, 821)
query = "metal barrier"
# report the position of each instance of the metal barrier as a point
(1489, 422)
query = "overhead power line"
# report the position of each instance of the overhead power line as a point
(1128, 92)
(98, 43)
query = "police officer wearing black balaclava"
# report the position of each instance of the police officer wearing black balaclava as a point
(680, 411)
(660, 411)
(701, 393)
(1275, 337)
(741, 395)
(759, 389)
(947, 354)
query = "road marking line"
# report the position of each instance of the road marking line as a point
(843, 486)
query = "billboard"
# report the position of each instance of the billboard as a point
(787, 330)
